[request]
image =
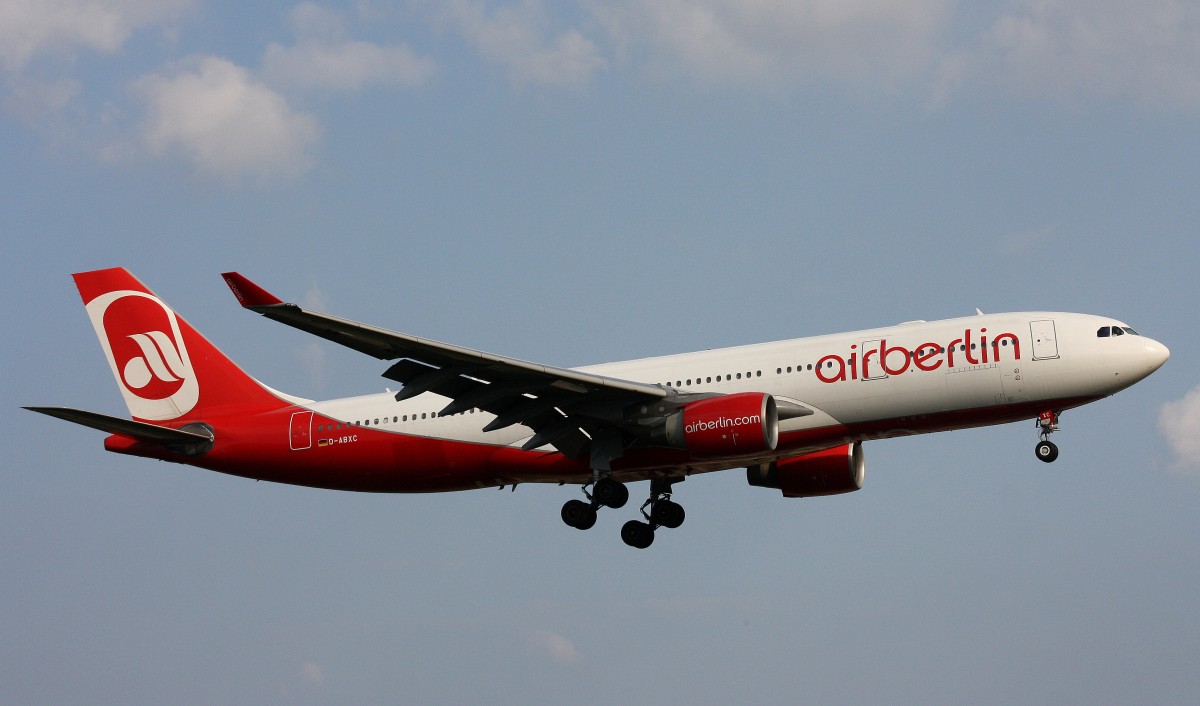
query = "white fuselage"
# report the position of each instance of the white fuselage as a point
(901, 373)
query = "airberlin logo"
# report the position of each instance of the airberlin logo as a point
(159, 366)
(879, 359)
(142, 340)
(721, 423)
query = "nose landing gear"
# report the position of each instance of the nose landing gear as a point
(1046, 450)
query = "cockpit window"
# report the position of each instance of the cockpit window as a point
(1103, 332)
(1130, 331)
(1117, 331)
(1106, 331)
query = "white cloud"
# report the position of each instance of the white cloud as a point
(312, 353)
(768, 42)
(315, 298)
(35, 102)
(1027, 241)
(324, 58)
(1179, 422)
(313, 361)
(554, 646)
(1074, 51)
(216, 116)
(515, 37)
(1078, 50)
(345, 66)
(312, 673)
(32, 27)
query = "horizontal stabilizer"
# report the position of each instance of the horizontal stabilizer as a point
(177, 439)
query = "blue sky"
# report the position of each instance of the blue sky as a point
(581, 182)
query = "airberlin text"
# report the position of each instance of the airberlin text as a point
(721, 423)
(885, 359)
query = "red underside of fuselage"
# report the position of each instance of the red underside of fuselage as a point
(389, 462)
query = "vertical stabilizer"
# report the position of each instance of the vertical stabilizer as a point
(165, 369)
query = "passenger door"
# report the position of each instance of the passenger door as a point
(301, 430)
(1045, 342)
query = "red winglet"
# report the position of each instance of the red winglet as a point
(248, 293)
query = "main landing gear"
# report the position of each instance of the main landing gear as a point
(1048, 424)
(663, 513)
(607, 492)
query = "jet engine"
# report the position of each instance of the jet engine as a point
(841, 469)
(725, 426)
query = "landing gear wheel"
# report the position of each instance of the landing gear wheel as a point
(1046, 451)
(610, 493)
(578, 514)
(638, 535)
(667, 513)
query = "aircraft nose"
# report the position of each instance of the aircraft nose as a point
(1156, 355)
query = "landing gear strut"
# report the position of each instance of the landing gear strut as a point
(663, 513)
(606, 492)
(1047, 424)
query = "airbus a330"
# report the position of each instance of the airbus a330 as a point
(793, 413)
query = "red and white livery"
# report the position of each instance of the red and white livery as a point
(793, 413)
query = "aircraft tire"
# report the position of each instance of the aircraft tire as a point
(578, 514)
(667, 513)
(1046, 451)
(638, 535)
(610, 493)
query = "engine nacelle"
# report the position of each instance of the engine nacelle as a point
(841, 469)
(725, 426)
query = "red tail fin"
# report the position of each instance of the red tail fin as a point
(164, 368)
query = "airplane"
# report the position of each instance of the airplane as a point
(793, 413)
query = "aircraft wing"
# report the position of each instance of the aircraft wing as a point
(576, 412)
